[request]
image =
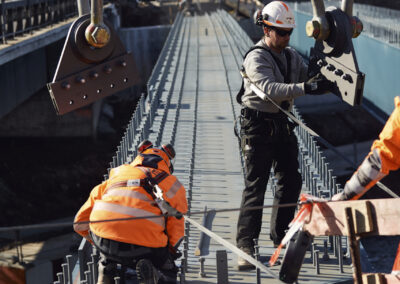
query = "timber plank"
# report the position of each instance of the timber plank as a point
(329, 218)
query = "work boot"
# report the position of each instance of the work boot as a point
(106, 272)
(104, 278)
(146, 272)
(243, 264)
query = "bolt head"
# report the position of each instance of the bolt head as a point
(94, 75)
(357, 26)
(80, 80)
(313, 28)
(66, 85)
(107, 69)
(97, 35)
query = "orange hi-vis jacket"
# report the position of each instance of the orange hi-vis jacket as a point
(384, 157)
(123, 196)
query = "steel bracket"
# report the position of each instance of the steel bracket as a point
(85, 74)
(336, 60)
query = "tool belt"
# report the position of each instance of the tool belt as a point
(249, 113)
(277, 124)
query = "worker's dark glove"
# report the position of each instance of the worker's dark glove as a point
(318, 85)
(175, 253)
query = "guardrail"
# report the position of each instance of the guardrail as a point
(22, 16)
(380, 23)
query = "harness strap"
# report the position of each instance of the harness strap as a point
(160, 176)
(128, 183)
(142, 182)
(149, 188)
(286, 75)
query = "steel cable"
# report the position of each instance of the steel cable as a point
(66, 224)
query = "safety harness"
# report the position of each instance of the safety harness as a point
(286, 75)
(166, 209)
(150, 184)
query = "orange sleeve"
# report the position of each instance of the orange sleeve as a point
(84, 212)
(388, 145)
(383, 158)
(175, 195)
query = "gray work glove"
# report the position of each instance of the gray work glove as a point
(318, 85)
(339, 197)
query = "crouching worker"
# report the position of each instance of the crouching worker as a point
(145, 188)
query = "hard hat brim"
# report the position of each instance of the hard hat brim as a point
(287, 26)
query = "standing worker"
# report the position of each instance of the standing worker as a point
(144, 188)
(267, 138)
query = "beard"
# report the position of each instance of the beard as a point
(283, 44)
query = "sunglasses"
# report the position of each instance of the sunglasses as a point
(282, 33)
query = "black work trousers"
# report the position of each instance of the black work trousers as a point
(113, 253)
(268, 143)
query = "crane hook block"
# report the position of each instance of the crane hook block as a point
(85, 74)
(335, 58)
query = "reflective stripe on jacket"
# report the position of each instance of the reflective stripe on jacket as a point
(384, 157)
(109, 200)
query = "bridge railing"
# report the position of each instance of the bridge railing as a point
(22, 16)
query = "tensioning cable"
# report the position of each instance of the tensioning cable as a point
(66, 224)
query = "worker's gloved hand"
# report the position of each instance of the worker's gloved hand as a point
(318, 85)
(175, 253)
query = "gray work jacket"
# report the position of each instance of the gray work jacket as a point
(264, 72)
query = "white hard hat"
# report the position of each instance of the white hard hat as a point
(278, 14)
